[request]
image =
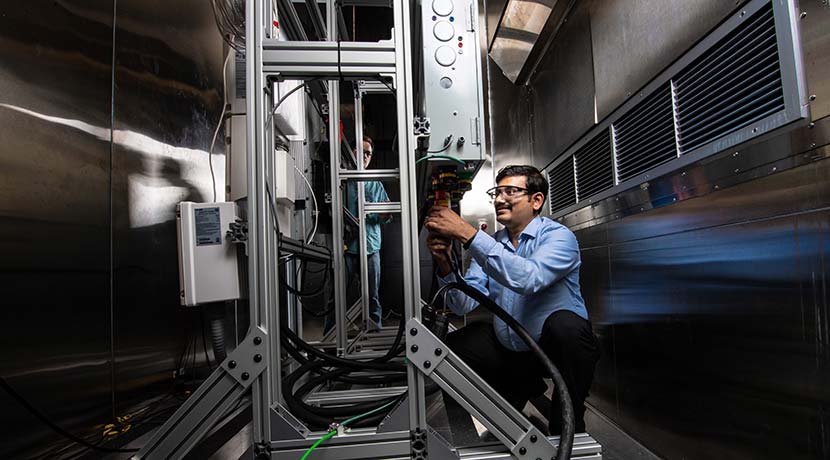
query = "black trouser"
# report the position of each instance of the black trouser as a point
(567, 339)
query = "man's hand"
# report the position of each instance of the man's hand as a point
(443, 221)
(440, 248)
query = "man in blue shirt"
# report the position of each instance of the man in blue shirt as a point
(373, 193)
(531, 269)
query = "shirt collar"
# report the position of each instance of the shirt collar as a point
(531, 231)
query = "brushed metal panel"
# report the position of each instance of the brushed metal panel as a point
(562, 88)
(717, 314)
(815, 41)
(168, 97)
(54, 219)
(713, 357)
(510, 120)
(494, 10)
(634, 41)
(595, 285)
(730, 168)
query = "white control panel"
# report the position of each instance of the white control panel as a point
(452, 78)
(208, 269)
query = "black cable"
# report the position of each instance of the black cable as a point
(567, 436)
(52, 425)
(322, 416)
(204, 341)
(337, 361)
(447, 144)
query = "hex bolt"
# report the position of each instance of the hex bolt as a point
(427, 364)
(414, 348)
(232, 364)
(533, 438)
(413, 331)
(438, 351)
(257, 340)
(522, 451)
(257, 358)
(246, 376)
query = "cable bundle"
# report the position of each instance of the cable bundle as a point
(230, 20)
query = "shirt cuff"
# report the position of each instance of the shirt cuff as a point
(480, 247)
(445, 280)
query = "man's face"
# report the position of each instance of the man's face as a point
(515, 209)
(367, 154)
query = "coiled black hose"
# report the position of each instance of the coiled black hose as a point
(566, 438)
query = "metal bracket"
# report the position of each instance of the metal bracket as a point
(248, 360)
(421, 127)
(397, 419)
(432, 357)
(284, 426)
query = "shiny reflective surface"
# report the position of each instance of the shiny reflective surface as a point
(54, 218)
(167, 102)
(715, 336)
(707, 287)
(565, 75)
(56, 182)
(634, 41)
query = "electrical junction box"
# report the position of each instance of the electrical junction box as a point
(452, 78)
(208, 268)
(289, 120)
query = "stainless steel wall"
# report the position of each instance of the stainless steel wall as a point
(69, 196)
(707, 286)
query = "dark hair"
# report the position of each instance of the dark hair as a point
(536, 182)
(369, 140)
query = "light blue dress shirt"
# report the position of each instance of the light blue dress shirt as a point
(374, 193)
(530, 281)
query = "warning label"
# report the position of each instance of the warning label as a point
(208, 226)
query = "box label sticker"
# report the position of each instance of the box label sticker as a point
(208, 226)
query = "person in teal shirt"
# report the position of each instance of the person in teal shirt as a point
(374, 192)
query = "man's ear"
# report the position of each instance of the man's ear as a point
(538, 201)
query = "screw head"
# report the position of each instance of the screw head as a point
(438, 352)
(414, 348)
(533, 438)
(812, 97)
(246, 376)
(257, 358)
(232, 364)
(257, 340)
(427, 364)
(803, 14)
(522, 451)
(413, 331)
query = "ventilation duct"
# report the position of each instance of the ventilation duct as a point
(741, 81)
(515, 45)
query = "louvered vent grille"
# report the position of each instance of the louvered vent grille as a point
(594, 166)
(733, 84)
(645, 136)
(562, 187)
